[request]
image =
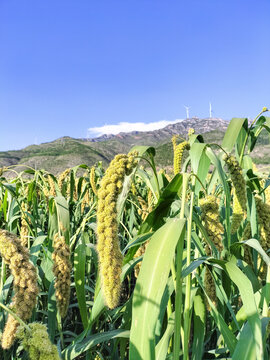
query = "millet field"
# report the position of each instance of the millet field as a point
(136, 262)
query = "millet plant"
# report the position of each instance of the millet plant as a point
(131, 263)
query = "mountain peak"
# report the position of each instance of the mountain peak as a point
(199, 125)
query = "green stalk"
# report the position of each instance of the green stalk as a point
(151, 162)
(267, 292)
(16, 317)
(188, 278)
(179, 260)
(173, 271)
(155, 174)
(3, 275)
(59, 326)
(169, 312)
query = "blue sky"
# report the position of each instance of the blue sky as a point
(67, 66)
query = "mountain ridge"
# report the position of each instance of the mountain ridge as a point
(66, 152)
(200, 126)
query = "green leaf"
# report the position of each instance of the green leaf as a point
(254, 243)
(74, 350)
(97, 308)
(123, 196)
(262, 123)
(79, 277)
(246, 348)
(143, 149)
(200, 163)
(147, 179)
(158, 216)
(247, 295)
(163, 344)
(150, 287)
(199, 327)
(35, 248)
(232, 133)
(188, 270)
(45, 269)
(169, 289)
(229, 338)
(63, 216)
(52, 311)
(216, 161)
(241, 139)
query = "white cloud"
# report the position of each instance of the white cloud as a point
(128, 127)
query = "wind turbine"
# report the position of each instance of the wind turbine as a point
(210, 110)
(187, 110)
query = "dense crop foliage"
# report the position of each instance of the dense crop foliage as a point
(133, 263)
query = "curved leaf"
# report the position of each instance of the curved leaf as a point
(232, 133)
(77, 349)
(79, 277)
(149, 288)
(247, 295)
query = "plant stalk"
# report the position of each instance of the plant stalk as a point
(188, 278)
(179, 261)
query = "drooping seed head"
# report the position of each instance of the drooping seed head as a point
(24, 273)
(239, 191)
(110, 257)
(62, 271)
(178, 155)
(210, 217)
(37, 343)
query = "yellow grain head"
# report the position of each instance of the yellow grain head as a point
(24, 225)
(24, 274)
(237, 214)
(138, 253)
(168, 177)
(178, 155)
(174, 141)
(62, 271)
(133, 189)
(61, 179)
(51, 186)
(210, 288)
(93, 180)
(110, 257)
(210, 217)
(86, 197)
(143, 211)
(267, 195)
(263, 215)
(247, 251)
(97, 357)
(239, 191)
(150, 200)
(75, 190)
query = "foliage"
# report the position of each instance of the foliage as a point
(201, 291)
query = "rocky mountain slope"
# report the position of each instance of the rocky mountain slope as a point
(67, 152)
(200, 126)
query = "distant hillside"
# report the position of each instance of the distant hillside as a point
(200, 126)
(67, 152)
